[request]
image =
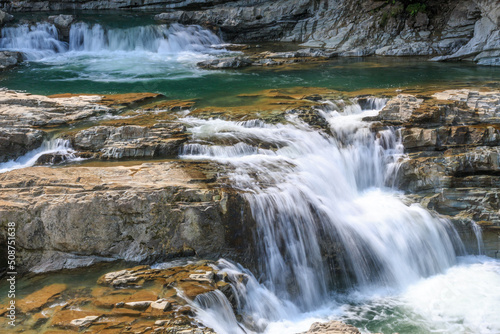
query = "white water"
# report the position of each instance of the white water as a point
(100, 54)
(314, 197)
(56, 146)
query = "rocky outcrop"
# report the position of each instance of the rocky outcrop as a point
(465, 29)
(132, 141)
(25, 110)
(9, 59)
(76, 216)
(453, 145)
(5, 17)
(63, 24)
(268, 58)
(484, 47)
(15, 142)
(332, 327)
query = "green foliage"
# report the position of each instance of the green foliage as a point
(415, 8)
(412, 7)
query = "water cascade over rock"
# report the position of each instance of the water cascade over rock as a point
(324, 213)
(42, 40)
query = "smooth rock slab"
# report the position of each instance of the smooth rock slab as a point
(332, 327)
(84, 322)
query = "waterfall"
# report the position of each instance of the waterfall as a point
(325, 217)
(41, 40)
(154, 38)
(57, 147)
(35, 41)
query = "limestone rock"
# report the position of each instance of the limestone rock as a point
(63, 24)
(132, 141)
(149, 211)
(452, 141)
(5, 17)
(160, 304)
(25, 110)
(484, 46)
(225, 63)
(140, 306)
(15, 142)
(40, 298)
(332, 327)
(9, 59)
(84, 322)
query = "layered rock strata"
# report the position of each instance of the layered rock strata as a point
(452, 142)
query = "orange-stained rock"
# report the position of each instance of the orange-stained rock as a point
(40, 298)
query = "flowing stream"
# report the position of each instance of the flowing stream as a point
(332, 237)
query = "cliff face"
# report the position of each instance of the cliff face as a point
(466, 29)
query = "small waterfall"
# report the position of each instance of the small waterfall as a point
(35, 41)
(41, 41)
(478, 233)
(154, 38)
(324, 214)
(57, 147)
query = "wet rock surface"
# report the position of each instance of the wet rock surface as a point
(63, 24)
(133, 300)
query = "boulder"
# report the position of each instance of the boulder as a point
(63, 24)
(332, 327)
(15, 142)
(225, 63)
(10, 59)
(5, 17)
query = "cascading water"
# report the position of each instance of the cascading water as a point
(324, 214)
(60, 147)
(97, 53)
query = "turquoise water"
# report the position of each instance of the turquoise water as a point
(127, 52)
(192, 83)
